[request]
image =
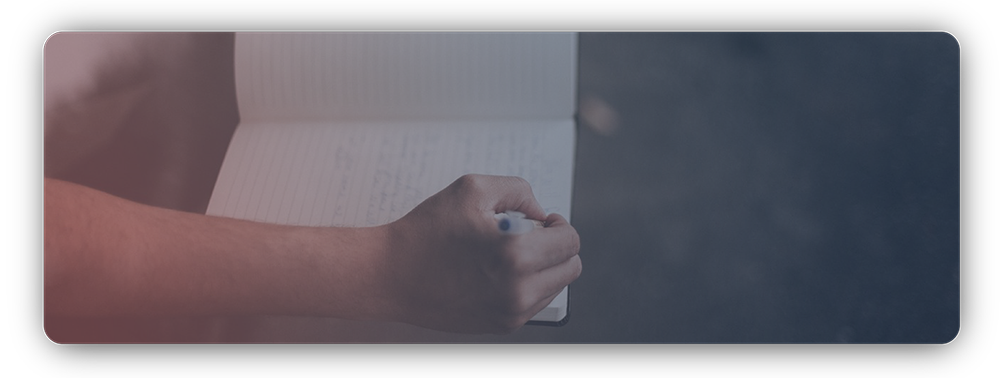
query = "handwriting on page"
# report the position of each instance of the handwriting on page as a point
(361, 175)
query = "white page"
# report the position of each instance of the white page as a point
(364, 76)
(366, 174)
(357, 129)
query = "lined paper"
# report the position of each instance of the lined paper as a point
(366, 174)
(356, 129)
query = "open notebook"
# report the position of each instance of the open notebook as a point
(356, 129)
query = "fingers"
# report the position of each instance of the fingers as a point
(527, 271)
(552, 280)
(547, 286)
(515, 195)
(555, 220)
(543, 262)
(547, 247)
(549, 256)
(500, 194)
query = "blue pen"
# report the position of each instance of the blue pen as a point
(514, 223)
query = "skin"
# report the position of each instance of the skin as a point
(443, 266)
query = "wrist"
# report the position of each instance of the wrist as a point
(348, 273)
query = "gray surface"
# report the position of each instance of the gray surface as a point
(760, 188)
(770, 188)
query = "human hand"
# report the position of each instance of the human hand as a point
(449, 267)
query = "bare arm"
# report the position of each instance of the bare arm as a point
(108, 256)
(443, 266)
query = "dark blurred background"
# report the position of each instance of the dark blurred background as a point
(729, 187)
(770, 188)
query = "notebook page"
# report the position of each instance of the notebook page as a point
(372, 173)
(356, 129)
(363, 76)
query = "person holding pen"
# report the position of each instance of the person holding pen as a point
(446, 265)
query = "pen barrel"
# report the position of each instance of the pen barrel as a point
(517, 226)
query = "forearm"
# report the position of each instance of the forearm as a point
(108, 256)
(450, 268)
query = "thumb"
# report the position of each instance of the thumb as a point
(518, 196)
(509, 193)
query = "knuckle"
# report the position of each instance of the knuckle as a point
(516, 265)
(468, 177)
(521, 183)
(471, 183)
(515, 309)
(512, 262)
(460, 182)
(517, 302)
(467, 180)
(577, 267)
(524, 303)
(573, 241)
